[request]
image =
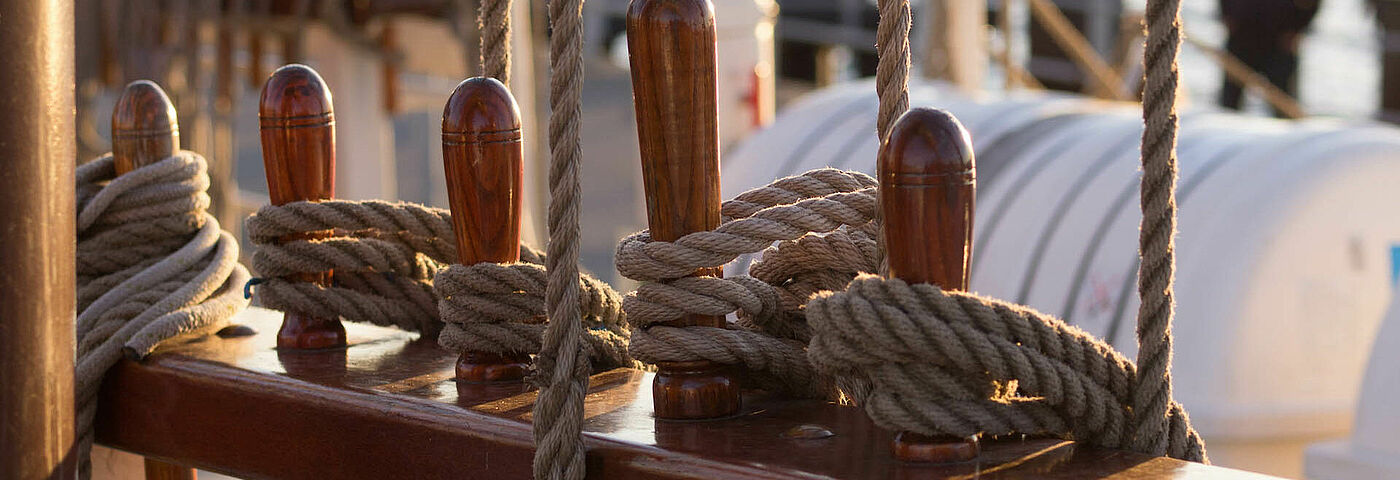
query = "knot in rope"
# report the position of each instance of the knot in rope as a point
(953, 363)
(500, 308)
(152, 265)
(816, 215)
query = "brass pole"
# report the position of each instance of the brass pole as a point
(37, 248)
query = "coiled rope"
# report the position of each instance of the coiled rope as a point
(915, 357)
(955, 363)
(769, 341)
(152, 265)
(395, 265)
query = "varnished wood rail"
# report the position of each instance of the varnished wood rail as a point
(389, 404)
(672, 49)
(388, 407)
(297, 125)
(483, 157)
(927, 187)
(146, 130)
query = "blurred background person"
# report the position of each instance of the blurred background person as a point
(1265, 34)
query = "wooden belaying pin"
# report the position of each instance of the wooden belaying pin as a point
(144, 127)
(298, 144)
(482, 156)
(927, 186)
(145, 130)
(672, 49)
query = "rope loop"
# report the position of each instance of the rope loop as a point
(820, 218)
(953, 363)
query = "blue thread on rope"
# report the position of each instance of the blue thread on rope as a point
(248, 287)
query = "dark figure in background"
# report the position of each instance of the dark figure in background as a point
(1265, 34)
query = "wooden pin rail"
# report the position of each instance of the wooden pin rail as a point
(672, 49)
(389, 405)
(483, 159)
(146, 130)
(297, 125)
(927, 187)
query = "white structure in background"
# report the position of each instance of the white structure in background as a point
(1285, 230)
(1373, 450)
(744, 43)
(364, 140)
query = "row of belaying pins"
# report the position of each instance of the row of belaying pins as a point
(925, 165)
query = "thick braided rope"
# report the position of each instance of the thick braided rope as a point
(1153, 393)
(954, 363)
(562, 366)
(152, 265)
(815, 218)
(892, 69)
(494, 24)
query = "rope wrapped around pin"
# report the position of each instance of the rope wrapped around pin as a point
(953, 363)
(152, 265)
(819, 219)
(384, 255)
(497, 307)
(394, 265)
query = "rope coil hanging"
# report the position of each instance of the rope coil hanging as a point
(152, 265)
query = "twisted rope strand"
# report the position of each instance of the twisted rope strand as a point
(562, 366)
(494, 24)
(1153, 392)
(892, 69)
(754, 221)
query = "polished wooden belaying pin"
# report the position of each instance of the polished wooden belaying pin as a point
(672, 48)
(298, 143)
(144, 127)
(145, 130)
(927, 180)
(482, 156)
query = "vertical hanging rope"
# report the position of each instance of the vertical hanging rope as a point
(891, 84)
(892, 71)
(1152, 395)
(494, 24)
(562, 367)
